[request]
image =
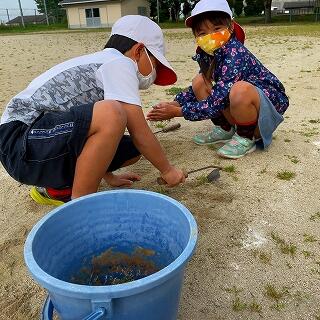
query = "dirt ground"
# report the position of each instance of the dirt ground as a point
(259, 226)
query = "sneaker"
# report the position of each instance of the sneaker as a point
(50, 196)
(237, 147)
(216, 135)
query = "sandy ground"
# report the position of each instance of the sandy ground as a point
(258, 252)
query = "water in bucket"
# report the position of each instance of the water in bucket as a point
(116, 267)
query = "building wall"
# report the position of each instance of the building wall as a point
(131, 7)
(109, 13)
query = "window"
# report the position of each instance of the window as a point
(93, 17)
(92, 13)
(142, 11)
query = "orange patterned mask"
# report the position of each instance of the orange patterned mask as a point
(213, 41)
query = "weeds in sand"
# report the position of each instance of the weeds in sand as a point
(233, 290)
(309, 238)
(307, 254)
(309, 132)
(285, 175)
(161, 124)
(274, 138)
(289, 265)
(276, 295)
(314, 120)
(293, 159)
(201, 180)
(230, 169)
(287, 140)
(255, 307)
(263, 171)
(286, 248)
(315, 271)
(315, 216)
(238, 305)
(264, 257)
(173, 91)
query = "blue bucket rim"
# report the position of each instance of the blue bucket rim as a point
(111, 291)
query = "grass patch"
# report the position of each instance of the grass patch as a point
(285, 175)
(33, 28)
(309, 132)
(293, 159)
(238, 305)
(272, 293)
(161, 124)
(315, 216)
(230, 169)
(201, 180)
(287, 140)
(286, 248)
(264, 257)
(309, 238)
(314, 121)
(307, 254)
(174, 91)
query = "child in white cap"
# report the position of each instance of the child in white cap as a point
(65, 131)
(244, 100)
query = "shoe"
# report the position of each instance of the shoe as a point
(216, 135)
(45, 196)
(237, 147)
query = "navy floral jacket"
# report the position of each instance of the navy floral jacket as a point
(233, 62)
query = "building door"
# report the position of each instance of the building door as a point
(93, 17)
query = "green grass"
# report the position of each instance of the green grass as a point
(173, 91)
(309, 238)
(285, 248)
(238, 305)
(33, 28)
(315, 216)
(275, 294)
(201, 180)
(230, 169)
(285, 175)
(314, 121)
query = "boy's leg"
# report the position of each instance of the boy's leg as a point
(244, 111)
(107, 127)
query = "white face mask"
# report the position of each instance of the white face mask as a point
(146, 81)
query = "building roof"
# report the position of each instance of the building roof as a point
(28, 19)
(68, 2)
(299, 4)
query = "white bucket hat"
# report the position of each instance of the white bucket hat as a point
(144, 30)
(216, 5)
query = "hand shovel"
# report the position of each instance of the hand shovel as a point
(214, 175)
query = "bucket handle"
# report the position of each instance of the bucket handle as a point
(47, 310)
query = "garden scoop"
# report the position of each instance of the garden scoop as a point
(171, 127)
(214, 175)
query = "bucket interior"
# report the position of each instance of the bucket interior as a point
(121, 221)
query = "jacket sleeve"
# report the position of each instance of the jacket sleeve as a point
(185, 96)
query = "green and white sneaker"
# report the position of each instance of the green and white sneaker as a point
(216, 135)
(237, 147)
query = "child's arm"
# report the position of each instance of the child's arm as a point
(149, 146)
(172, 109)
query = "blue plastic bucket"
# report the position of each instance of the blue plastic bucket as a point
(57, 244)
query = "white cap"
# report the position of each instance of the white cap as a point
(144, 30)
(215, 5)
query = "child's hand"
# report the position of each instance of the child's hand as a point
(164, 111)
(121, 180)
(173, 176)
